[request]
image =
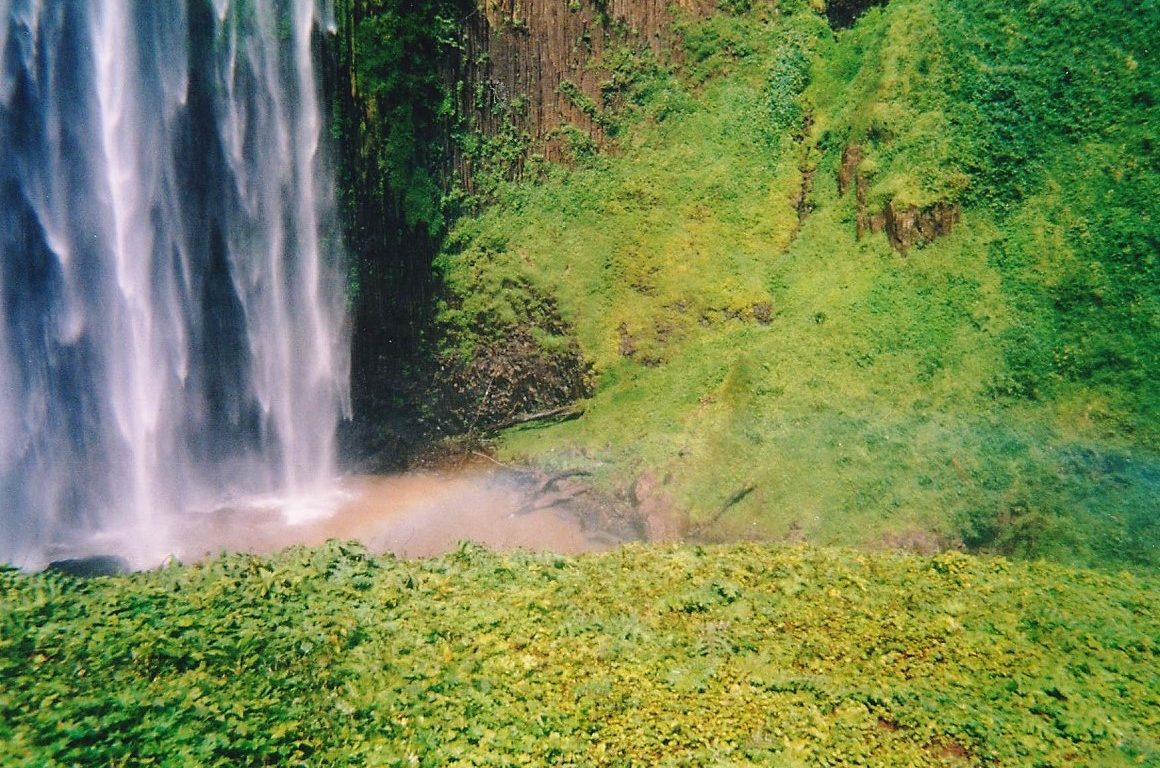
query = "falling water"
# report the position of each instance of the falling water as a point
(171, 306)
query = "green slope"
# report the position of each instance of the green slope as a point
(745, 655)
(998, 387)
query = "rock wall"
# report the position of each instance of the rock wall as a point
(417, 88)
(536, 66)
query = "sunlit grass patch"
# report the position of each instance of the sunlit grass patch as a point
(742, 655)
(744, 336)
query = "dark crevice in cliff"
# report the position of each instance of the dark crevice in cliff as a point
(843, 13)
(386, 93)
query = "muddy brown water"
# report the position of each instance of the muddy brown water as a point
(410, 515)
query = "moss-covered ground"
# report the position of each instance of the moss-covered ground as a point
(995, 388)
(740, 655)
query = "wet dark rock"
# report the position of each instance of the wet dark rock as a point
(90, 567)
(843, 13)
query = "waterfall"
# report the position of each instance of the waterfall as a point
(172, 325)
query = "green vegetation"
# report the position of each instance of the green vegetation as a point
(781, 359)
(997, 386)
(395, 109)
(392, 115)
(746, 655)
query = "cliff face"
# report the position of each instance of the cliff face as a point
(418, 86)
(430, 95)
(539, 69)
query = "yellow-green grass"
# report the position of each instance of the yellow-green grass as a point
(740, 655)
(991, 388)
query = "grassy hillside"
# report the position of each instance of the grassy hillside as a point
(753, 332)
(746, 655)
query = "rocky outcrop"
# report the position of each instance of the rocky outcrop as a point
(91, 567)
(848, 170)
(906, 226)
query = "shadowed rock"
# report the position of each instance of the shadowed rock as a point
(843, 13)
(89, 567)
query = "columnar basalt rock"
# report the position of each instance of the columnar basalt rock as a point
(539, 64)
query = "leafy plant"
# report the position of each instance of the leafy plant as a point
(644, 656)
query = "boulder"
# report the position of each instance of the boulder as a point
(92, 566)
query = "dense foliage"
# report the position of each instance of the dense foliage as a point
(394, 109)
(750, 326)
(746, 655)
